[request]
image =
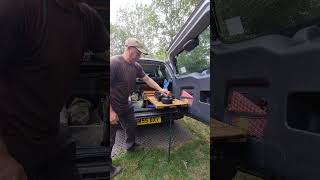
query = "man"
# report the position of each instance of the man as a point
(124, 70)
(41, 45)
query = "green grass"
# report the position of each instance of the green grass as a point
(197, 128)
(188, 161)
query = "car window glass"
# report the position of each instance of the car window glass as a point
(246, 19)
(197, 60)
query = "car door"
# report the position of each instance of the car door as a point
(266, 76)
(190, 58)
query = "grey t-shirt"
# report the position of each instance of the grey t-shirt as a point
(122, 82)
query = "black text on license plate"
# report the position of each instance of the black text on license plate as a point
(151, 120)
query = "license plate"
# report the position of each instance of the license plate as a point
(151, 120)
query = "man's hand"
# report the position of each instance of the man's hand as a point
(154, 85)
(113, 117)
(10, 169)
(164, 92)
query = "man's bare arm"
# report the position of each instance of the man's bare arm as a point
(150, 82)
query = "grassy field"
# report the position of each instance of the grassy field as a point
(188, 161)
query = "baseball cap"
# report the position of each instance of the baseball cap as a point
(135, 43)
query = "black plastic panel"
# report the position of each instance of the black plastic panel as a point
(290, 66)
(303, 111)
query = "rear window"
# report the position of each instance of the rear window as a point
(245, 19)
(197, 60)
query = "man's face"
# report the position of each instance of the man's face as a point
(134, 53)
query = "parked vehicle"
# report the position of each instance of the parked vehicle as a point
(189, 59)
(187, 71)
(145, 113)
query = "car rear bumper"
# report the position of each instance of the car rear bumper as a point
(165, 114)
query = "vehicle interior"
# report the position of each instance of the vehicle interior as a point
(157, 71)
(161, 73)
(90, 131)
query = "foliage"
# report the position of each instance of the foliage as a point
(265, 16)
(199, 58)
(155, 24)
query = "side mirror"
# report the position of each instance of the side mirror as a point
(191, 44)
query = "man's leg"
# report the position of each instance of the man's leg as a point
(129, 125)
(113, 132)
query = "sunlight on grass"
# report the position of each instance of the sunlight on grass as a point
(188, 161)
(198, 128)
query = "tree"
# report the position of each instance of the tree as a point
(173, 14)
(117, 38)
(154, 24)
(264, 16)
(199, 58)
(138, 21)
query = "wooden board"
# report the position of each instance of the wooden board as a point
(148, 93)
(159, 105)
(224, 132)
